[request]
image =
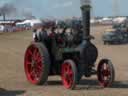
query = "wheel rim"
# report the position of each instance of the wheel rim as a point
(104, 74)
(33, 64)
(67, 75)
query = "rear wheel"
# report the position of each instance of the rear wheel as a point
(36, 63)
(106, 73)
(69, 74)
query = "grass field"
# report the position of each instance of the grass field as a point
(13, 81)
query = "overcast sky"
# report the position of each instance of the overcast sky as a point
(66, 8)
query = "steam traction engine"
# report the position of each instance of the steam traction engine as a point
(70, 58)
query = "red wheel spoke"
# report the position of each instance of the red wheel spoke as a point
(30, 68)
(70, 81)
(70, 73)
(37, 73)
(39, 59)
(35, 53)
(69, 68)
(30, 52)
(28, 62)
(64, 68)
(39, 70)
(32, 74)
(39, 67)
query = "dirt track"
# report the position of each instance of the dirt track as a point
(13, 81)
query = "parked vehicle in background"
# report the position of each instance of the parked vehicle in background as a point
(115, 37)
(121, 27)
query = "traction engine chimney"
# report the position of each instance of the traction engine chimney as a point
(85, 8)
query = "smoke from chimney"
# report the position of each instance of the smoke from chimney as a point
(12, 10)
(7, 10)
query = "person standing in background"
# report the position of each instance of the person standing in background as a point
(34, 34)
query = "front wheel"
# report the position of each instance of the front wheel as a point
(105, 73)
(69, 74)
